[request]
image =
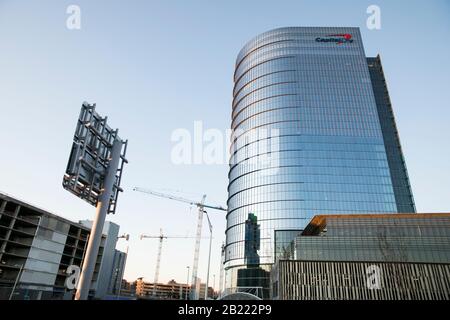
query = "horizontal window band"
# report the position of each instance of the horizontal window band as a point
(263, 62)
(257, 78)
(274, 219)
(261, 88)
(263, 99)
(237, 65)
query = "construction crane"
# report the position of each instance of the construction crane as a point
(201, 209)
(161, 237)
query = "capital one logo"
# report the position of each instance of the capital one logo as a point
(339, 38)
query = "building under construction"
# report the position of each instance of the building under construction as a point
(37, 247)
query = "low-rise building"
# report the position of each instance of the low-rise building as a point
(380, 256)
(128, 289)
(211, 294)
(37, 247)
(170, 290)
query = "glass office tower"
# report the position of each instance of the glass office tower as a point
(313, 134)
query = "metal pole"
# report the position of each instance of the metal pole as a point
(209, 261)
(84, 250)
(214, 285)
(90, 259)
(222, 259)
(209, 256)
(187, 284)
(15, 282)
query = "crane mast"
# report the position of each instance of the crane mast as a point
(158, 261)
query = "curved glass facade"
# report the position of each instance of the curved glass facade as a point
(307, 140)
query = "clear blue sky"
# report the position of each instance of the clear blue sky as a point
(155, 66)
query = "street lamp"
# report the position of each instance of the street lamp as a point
(209, 255)
(187, 282)
(214, 286)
